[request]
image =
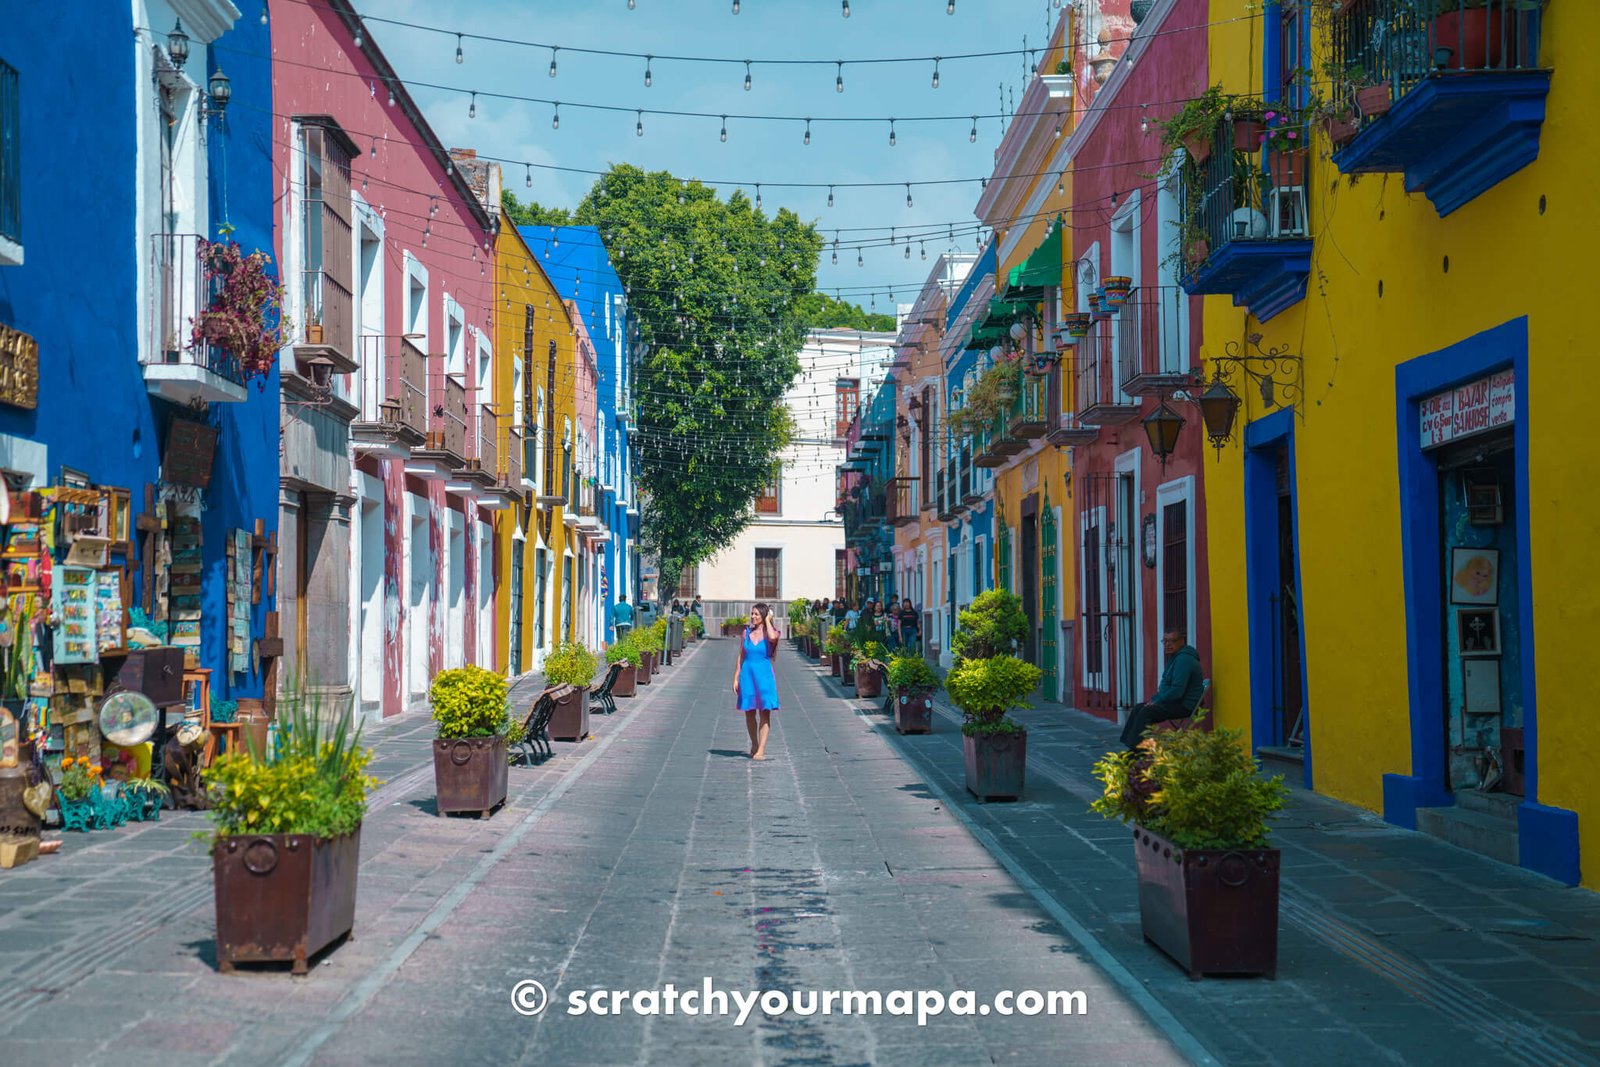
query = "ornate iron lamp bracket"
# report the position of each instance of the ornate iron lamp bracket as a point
(1277, 374)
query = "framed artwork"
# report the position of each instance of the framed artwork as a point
(1475, 576)
(1478, 631)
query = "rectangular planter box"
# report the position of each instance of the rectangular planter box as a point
(570, 720)
(641, 673)
(626, 681)
(995, 766)
(1213, 911)
(469, 774)
(913, 712)
(283, 897)
(835, 665)
(869, 683)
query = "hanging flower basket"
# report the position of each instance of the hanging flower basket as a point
(1116, 290)
(1078, 325)
(244, 315)
(1042, 361)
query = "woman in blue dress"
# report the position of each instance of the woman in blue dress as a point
(755, 688)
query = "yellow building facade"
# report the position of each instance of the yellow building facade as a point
(534, 398)
(1396, 513)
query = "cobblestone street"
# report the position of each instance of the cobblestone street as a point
(657, 853)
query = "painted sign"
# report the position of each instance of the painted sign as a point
(1468, 410)
(19, 369)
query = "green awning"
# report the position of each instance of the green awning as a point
(986, 336)
(1040, 271)
(1002, 313)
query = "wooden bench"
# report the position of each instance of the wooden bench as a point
(536, 727)
(601, 698)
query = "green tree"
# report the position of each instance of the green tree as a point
(713, 286)
(822, 312)
(532, 213)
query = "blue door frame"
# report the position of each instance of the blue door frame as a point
(1547, 836)
(1263, 579)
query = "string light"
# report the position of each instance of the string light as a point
(747, 75)
(735, 7)
(908, 194)
(936, 72)
(638, 125)
(359, 43)
(808, 131)
(838, 81)
(972, 138)
(891, 133)
(472, 108)
(724, 134)
(458, 48)
(859, 261)
(555, 118)
(830, 196)
(950, 7)
(758, 196)
(529, 180)
(647, 79)
(924, 244)
(391, 94)
(846, 8)
(553, 52)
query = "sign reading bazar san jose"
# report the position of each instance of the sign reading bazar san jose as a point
(19, 369)
(1467, 410)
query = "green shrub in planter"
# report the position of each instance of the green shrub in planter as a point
(992, 625)
(569, 663)
(871, 652)
(837, 641)
(1199, 789)
(798, 611)
(469, 702)
(624, 650)
(911, 674)
(985, 689)
(693, 624)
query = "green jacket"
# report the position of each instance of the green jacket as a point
(1182, 681)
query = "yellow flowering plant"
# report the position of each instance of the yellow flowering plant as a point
(469, 702)
(80, 777)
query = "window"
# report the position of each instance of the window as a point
(769, 500)
(325, 234)
(485, 365)
(847, 400)
(541, 583)
(10, 167)
(1093, 608)
(688, 583)
(1175, 565)
(455, 337)
(416, 298)
(840, 572)
(767, 567)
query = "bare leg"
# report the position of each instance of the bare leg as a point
(761, 737)
(750, 724)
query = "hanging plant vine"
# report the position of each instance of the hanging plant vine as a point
(245, 313)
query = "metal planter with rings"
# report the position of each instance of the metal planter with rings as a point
(1214, 911)
(913, 711)
(283, 898)
(469, 774)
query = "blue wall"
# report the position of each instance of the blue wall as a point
(76, 292)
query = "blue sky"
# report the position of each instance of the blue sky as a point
(755, 151)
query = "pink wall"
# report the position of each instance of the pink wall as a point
(1114, 160)
(317, 70)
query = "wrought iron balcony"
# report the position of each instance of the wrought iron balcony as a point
(179, 364)
(1452, 93)
(901, 500)
(328, 335)
(1029, 415)
(1097, 388)
(445, 450)
(1248, 233)
(1148, 339)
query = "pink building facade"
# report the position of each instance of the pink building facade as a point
(385, 510)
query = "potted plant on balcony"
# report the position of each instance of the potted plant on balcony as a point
(1208, 880)
(993, 392)
(986, 683)
(912, 684)
(837, 646)
(469, 754)
(1193, 126)
(1285, 145)
(573, 665)
(1475, 32)
(1116, 290)
(287, 838)
(244, 312)
(624, 650)
(868, 666)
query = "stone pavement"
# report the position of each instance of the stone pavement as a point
(655, 853)
(1393, 946)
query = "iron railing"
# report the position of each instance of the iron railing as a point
(510, 471)
(179, 290)
(1401, 43)
(330, 307)
(900, 501)
(486, 444)
(1239, 194)
(1094, 370)
(411, 387)
(447, 399)
(1030, 411)
(1147, 340)
(10, 154)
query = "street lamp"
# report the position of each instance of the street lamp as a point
(1162, 427)
(221, 91)
(1219, 406)
(178, 45)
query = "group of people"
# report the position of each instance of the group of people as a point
(895, 622)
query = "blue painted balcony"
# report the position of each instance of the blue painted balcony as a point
(1249, 231)
(1453, 95)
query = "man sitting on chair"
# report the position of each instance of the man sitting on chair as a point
(1179, 693)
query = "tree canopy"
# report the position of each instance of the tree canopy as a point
(713, 286)
(822, 312)
(532, 213)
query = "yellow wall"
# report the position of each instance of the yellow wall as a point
(522, 282)
(1506, 258)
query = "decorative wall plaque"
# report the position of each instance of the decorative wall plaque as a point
(19, 369)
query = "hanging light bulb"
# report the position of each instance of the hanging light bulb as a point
(553, 52)
(758, 196)
(263, 12)
(472, 108)
(838, 80)
(936, 72)
(859, 261)
(724, 129)
(630, 5)
(924, 246)
(830, 196)
(555, 117)
(908, 249)
(972, 137)
(374, 148)
(891, 133)
(908, 194)
(846, 8)
(835, 257)
(458, 48)
(647, 79)
(638, 124)
(735, 7)
(808, 131)
(358, 41)
(529, 181)
(950, 7)
(391, 94)
(747, 75)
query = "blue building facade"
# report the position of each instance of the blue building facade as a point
(128, 399)
(579, 266)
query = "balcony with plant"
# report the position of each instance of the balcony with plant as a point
(1448, 92)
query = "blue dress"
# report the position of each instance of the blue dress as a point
(758, 686)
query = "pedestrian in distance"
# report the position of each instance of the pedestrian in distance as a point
(1182, 685)
(910, 627)
(755, 686)
(696, 609)
(622, 616)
